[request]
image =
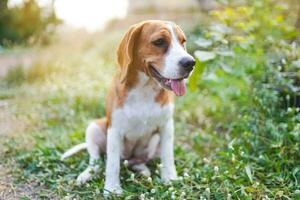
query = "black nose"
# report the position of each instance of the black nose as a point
(187, 63)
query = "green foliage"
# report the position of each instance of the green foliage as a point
(237, 130)
(25, 24)
(251, 78)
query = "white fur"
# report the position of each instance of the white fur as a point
(152, 146)
(94, 137)
(73, 150)
(175, 53)
(142, 169)
(137, 119)
(141, 115)
(87, 174)
(168, 170)
(112, 171)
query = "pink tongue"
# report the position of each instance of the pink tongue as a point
(178, 87)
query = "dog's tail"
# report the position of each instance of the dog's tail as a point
(73, 150)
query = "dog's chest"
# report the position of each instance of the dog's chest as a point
(141, 115)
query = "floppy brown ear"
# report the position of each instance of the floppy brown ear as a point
(126, 49)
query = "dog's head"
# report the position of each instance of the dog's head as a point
(158, 49)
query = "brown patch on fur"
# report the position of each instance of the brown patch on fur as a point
(115, 98)
(164, 97)
(102, 123)
(180, 34)
(149, 53)
(126, 55)
(135, 53)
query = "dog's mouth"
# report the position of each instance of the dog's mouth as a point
(176, 85)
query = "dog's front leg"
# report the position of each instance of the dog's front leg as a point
(112, 172)
(168, 170)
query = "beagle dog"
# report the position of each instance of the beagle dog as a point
(153, 65)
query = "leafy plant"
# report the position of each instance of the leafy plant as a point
(237, 130)
(251, 83)
(25, 24)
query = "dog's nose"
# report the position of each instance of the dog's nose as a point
(187, 63)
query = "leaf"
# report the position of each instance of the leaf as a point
(204, 43)
(231, 143)
(296, 63)
(249, 173)
(221, 28)
(295, 172)
(204, 56)
(196, 75)
(225, 53)
(226, 68)
(216, 36)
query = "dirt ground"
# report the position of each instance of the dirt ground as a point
(11, 191)
(9, 126)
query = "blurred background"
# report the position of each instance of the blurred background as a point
(237, 128)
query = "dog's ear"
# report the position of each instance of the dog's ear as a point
(181, 34)
(126, 49)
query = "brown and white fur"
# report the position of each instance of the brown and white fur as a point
(139, 106)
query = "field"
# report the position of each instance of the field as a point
(237, 129)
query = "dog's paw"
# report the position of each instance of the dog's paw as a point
(109, 190)
(167, 179)
(145, 172)
(142, 169)
(83, 178)
(168, 175)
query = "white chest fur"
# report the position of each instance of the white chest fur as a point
(141, 114)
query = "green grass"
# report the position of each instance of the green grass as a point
(235, 136)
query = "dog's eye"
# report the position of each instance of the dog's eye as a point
(160, 42)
